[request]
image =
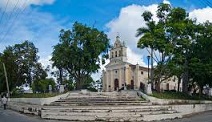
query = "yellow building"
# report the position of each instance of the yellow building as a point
(119, 73)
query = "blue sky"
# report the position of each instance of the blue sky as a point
(99, 12)
(40, 21)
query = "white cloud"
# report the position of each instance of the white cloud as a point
(38, 27)
(201, 15)
(129, 20)
(166, 2)
(35, 28)
(135, 58)
(21, 4)
(126, 24)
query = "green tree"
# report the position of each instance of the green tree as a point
(182, 31)
(171, 37)
(154, 36)
(21, 61)
(78, 52)
(200, 63)
(70, 84)
(43, 85)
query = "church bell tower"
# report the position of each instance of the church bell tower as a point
(118, 51)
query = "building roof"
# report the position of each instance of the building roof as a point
(140, 67)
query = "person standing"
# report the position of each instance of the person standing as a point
(4, 102)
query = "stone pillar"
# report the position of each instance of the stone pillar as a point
(149, 89)
(107, 80)
(103, 80)
(120, 78)
(111, 81)
(136, 82)
(127, 75)
(210, 92)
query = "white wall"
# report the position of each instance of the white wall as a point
(39, 101)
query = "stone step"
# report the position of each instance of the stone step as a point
(71, 102)
(106, 109)
(162, 117)
(91, 97)
(98, 101)
(99, 104)
(126, 111)
(111, 116)
(94, 118)
(121, 107)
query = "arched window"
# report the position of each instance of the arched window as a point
(116, 53)
(112, 55)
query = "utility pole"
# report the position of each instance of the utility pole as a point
(5, 73)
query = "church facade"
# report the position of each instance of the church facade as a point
(119, 73)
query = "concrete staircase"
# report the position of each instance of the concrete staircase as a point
(93, 99)
(113, 106)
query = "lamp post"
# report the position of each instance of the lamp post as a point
(149, 88)
(148, 57)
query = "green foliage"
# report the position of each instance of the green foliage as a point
(22, 66)
(178, 95)
(70, 85)
(156, 37)
(88, 82)
(200, 58)
(183, 44)
(16, 91)
(92, 89)
(78, 51)
(34, 95)
(42, 86)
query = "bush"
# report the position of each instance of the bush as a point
(43, 85)
(178, 95)
(92, 89)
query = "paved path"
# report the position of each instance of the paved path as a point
(12, 116)
(201, 117)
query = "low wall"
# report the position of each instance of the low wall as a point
(158, 101)
(192, 108)
(39, 101)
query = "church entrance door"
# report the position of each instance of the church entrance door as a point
(116, 84)
(132, 84)
(167, 86)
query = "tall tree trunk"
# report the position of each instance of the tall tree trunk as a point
(158, 86)
(78, 84)
(200, 90)
(185, 82)
(61, 75)
(185, 76)
(178, 83)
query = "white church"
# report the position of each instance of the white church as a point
(119, 73)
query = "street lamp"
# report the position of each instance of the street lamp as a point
(149, 88)
(148, 57)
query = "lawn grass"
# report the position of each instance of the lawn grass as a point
(34, 95)
(178, 95)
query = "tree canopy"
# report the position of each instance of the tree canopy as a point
(182, 43)
(22, 66)
(80, 51)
